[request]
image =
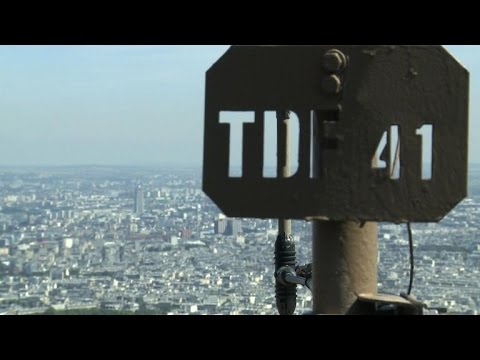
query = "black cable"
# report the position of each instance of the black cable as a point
(285, 256)
(409, 225)
(412, 260)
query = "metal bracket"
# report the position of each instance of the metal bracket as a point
(300, 275)
(386, 304)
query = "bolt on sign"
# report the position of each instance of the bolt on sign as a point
(383, 132)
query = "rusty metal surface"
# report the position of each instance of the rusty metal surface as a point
(385, 298)
(344, 264)
(382, 304)
(353, 105)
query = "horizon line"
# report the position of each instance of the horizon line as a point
(166, 164)
(98, 165)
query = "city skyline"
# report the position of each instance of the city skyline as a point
(105, 206)
(70, 241)
(122, 105)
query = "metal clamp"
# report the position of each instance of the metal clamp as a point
(300, 275)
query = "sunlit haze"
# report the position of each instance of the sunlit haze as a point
(122, 105)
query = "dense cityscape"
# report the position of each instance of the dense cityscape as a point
(146, 238)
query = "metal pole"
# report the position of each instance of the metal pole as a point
(344, 255)
(283, 160)
(344, 264)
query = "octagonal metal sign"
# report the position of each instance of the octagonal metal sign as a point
(383, 132)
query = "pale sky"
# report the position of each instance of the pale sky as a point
(122, 105)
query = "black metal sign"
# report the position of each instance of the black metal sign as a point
(383, 132)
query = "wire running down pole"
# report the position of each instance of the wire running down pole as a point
(285, 256)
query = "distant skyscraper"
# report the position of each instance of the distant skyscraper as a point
(234, 227)
(220, 226)
(229, 227)
(138, 200)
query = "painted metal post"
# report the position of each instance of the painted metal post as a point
(283, 160)
(344, 264)
(344, 252)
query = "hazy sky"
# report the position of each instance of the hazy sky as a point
(131, 105)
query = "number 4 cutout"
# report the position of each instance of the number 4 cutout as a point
(392, 138)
